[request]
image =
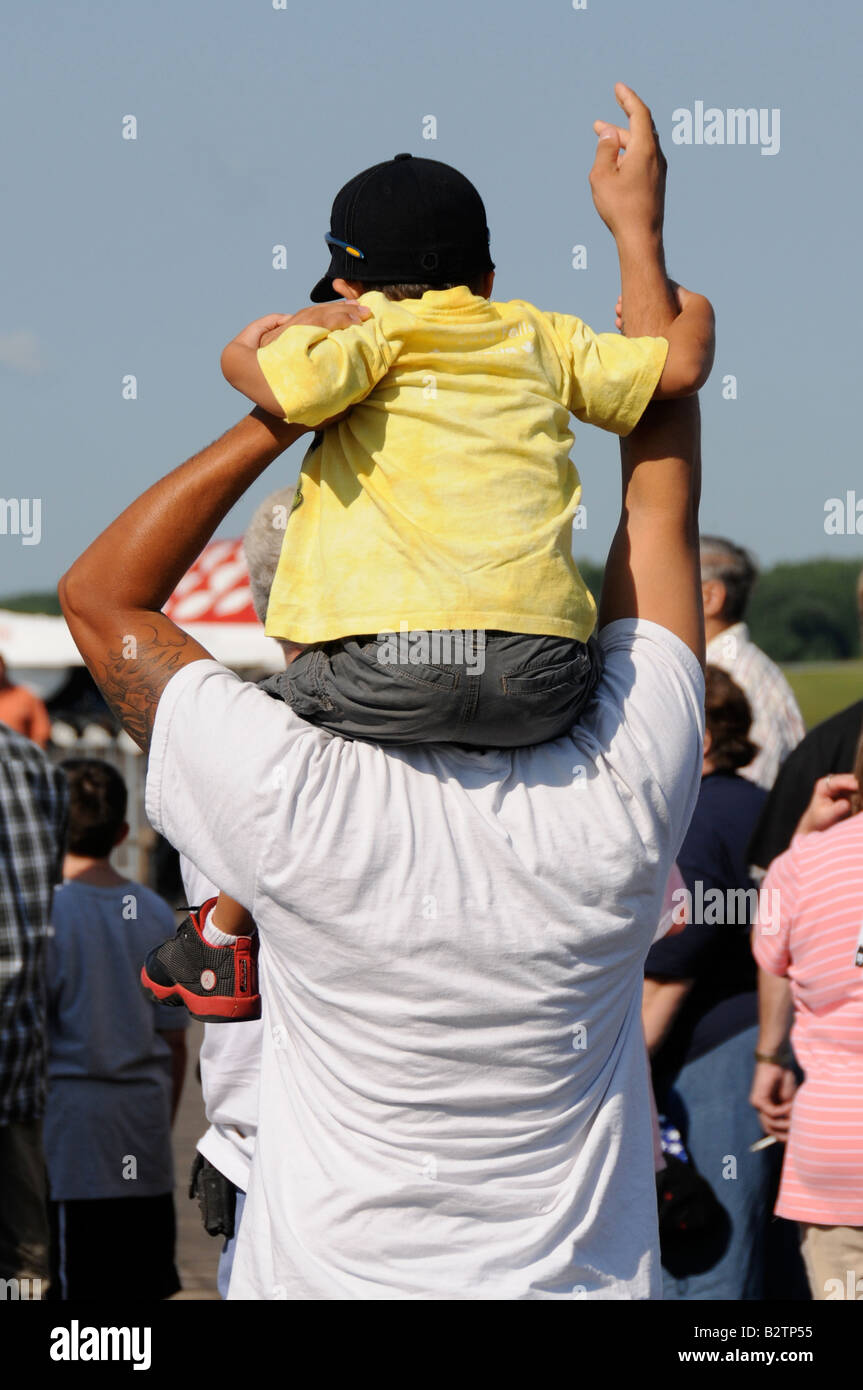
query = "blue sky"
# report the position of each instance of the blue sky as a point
(144, 257)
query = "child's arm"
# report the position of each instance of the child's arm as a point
(240, 362)
(240, 365)
(690, 345)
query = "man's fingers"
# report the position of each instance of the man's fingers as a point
(606, 152)
(640, 119)
(622, 134)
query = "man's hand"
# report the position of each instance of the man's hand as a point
(629, 193)
(772, 1095)
(831, 802)
(628, 175)
(338, 313)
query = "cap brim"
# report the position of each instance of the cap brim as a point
(323, 291)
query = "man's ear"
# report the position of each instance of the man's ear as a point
(122, 833)
(348, 289)
(713, 596)
(488, 285)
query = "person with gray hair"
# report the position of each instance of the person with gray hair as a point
(728, 575)
(262, 545)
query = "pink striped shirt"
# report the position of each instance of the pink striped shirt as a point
(811, 937)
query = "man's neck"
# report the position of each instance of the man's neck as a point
(99, 873)
(714, 626)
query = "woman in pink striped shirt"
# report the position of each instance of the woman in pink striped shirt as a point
(813, 934)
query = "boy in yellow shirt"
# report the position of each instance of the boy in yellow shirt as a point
(426, 568)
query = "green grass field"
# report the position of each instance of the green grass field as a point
(823, 688)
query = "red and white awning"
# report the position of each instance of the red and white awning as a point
(213, 603)
(215, 590)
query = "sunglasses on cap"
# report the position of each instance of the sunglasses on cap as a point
(344, 245)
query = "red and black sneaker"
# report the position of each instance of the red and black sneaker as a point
(217, 984)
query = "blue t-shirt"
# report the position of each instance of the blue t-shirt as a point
(108, 1113)
(713, 949)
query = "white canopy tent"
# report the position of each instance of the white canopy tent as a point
(212, 603)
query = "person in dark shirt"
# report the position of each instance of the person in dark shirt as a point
(828, 748)
(701, 1019)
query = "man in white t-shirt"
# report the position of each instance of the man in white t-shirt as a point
(453, 1075)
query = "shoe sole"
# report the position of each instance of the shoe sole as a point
(219, 1010)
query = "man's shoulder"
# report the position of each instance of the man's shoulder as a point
(651, 691)
(735, 645)
(651, 641)
(734, 651)
(771, 672)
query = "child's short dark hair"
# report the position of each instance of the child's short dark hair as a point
(97, 806)
(475, 283)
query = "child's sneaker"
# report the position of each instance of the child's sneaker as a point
(217, 984)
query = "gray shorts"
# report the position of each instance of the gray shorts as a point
(484, 690)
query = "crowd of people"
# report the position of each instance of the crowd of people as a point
(534, 1013)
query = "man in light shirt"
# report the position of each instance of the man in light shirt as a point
(454, 1099)
(728, 574)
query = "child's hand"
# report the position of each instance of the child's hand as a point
(680, 294)
(254, 333)
(339, 313)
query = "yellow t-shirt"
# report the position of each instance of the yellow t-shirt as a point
(445, 498)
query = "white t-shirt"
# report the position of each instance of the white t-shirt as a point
(454, 1096)
(230, 1060)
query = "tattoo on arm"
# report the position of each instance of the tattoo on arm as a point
(133, 676)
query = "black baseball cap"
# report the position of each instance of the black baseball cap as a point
(406, 221)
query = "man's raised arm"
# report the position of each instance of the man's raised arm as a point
(653, 564)
(653, 567)
(113, 594)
